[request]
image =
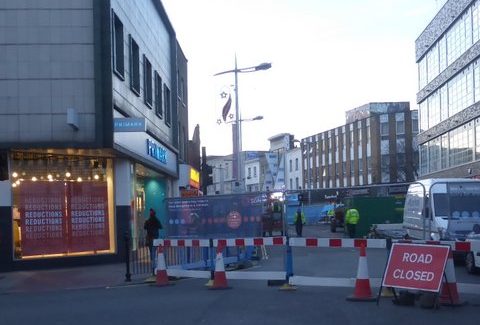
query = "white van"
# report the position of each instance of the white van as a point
(442, 208)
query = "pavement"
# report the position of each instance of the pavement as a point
(81, 277)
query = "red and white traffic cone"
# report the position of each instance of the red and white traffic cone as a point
(161, 269)
(219, 277)
(362, 291)
(449, 294)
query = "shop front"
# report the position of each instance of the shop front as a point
(60, 212)
(147, 174)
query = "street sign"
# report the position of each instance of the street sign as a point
(416, 266)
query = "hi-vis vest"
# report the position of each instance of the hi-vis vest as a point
(352, 216)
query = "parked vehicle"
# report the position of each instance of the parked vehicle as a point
(442, 209)
(472, 259)
(272, 217)
(338, 218)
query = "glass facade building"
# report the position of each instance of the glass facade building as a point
(448, 59)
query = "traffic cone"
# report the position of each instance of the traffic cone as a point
(449, 294)
(219, 277)
(161, 269)
(362, 291)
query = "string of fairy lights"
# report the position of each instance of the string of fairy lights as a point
(27, 167)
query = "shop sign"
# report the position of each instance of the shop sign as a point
(194, 178)
(189, 192)
(129, 125)
(156, 151)
(415, 266)
(149, 149)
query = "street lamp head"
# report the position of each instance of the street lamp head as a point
(263, 66)
(257, 118)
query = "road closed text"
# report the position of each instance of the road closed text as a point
(416, 266)
(413, 275)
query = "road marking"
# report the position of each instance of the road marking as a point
(468, 288)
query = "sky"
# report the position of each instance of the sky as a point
(328, 57)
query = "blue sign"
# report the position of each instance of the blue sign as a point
(129, 125)
(222, 216)
(156, 151)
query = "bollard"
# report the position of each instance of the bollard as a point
(288, 266)
(128, 275)
(212, 264)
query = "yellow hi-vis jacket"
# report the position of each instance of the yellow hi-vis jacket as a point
(352, 216)
(300, 218)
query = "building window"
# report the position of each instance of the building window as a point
(147, 81)
(118, 51)
(415, 122)
(167, 108)
(158, 95)
(254, 171)
(249, 174)
(434, 152)
(400, 123)
(477, 136)
(134, 66)
(385, 168)
(461, 145)
(423, 158)
(384, 147)
(290, 164)
(297, 185)
(181, 90)
(384, 128)
(296, 164)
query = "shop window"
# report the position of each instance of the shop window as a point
(62, 206)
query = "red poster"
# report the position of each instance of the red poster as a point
(42, 218)
(414, 266)
(88, 211)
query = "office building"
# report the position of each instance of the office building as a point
(376, 145)
(447, 55)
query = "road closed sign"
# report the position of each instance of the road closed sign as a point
(415, 266)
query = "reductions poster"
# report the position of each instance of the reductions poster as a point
(42, 218)
(223, 216)
(88, 211)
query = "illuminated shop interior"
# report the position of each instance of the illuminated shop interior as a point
(44, 178)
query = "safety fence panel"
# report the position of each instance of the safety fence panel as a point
(461, 246)
(233, 248)
(337, 242)
(196, 258)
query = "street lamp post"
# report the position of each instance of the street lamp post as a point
(237, 127)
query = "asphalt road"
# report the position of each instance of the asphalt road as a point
(189, 302)
(247, 302)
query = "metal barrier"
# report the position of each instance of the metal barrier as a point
(238, 244)
(195, 258)
(179, 254)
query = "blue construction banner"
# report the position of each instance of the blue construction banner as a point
(220, 216)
